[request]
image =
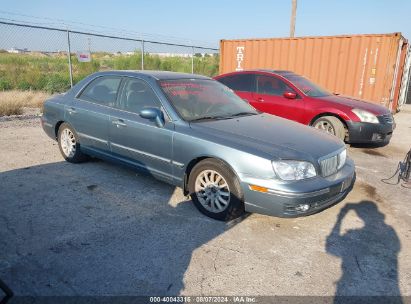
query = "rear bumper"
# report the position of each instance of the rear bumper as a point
(318, 193)
(362, 132)
(48, 128)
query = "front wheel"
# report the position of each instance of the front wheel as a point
(215, 190)
(330, 124)
(69, 145)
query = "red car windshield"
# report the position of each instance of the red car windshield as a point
(307, 87)
(200, 99)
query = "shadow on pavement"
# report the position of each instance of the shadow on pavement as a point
(369, 256)
(96, 229)
(370, 145)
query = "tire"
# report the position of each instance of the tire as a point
(68, 144)
(208, 200)
(330, 124)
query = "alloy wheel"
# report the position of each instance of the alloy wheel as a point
(212, 191)
(325, 126)
(68, 143)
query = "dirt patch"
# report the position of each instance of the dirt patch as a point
(370, 190)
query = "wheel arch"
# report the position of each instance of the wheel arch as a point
(333, 114)
(57, 127)
(195, 161)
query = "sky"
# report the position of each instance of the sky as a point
(209, 21)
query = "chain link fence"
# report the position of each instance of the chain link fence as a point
(35, 57)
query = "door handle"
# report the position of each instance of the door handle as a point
(260, 99)
(71, 111)
(119, 123)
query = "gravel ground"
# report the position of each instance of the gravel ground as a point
(100, 229)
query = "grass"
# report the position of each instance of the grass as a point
(36, 71)
(26, 80)
(13, 102)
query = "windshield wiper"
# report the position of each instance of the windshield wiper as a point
(218, 117)
(243, 114)
(208, 117)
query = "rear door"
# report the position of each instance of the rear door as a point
(89, 113)
(243, 84)
(138, 140)
(269, 98)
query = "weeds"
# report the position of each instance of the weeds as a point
(13, 102)
(36, 71)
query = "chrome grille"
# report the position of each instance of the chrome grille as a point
(329, 165)
(332, 164)
(386, 118)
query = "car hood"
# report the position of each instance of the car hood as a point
(276, 137)
(356, 103)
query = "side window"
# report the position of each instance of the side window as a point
(102, 90)
(136, 95)
(240, 82)
(272, 86)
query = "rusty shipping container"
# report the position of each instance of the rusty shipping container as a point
(370, 67)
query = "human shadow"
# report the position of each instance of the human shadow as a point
(369, 257)
(97, 229)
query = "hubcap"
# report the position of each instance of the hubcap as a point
(325, 126)
(212, 191)
(68, 143)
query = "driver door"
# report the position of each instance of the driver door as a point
(138, 140)
(269, 98)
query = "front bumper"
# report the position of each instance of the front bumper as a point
(362, 132)
(284, 200)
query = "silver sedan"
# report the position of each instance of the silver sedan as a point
(195, 133)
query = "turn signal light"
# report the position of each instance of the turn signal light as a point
(258, 188)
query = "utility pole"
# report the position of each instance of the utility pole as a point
(293, 13)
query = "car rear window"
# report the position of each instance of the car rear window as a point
(240, 82)
(102, 90)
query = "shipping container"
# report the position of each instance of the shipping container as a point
(369, 67)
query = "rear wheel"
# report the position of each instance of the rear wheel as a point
(215, 190)
(69, 145)
(330, 124)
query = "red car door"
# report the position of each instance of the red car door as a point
(270, 97)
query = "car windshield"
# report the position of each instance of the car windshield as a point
(307, 87)
(203, 99)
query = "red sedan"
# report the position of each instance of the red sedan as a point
(286, 94)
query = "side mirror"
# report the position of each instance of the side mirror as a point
(290, 95)
(153, 114)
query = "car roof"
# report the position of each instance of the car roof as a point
(158, 75)
(283, 73)
(278, 72)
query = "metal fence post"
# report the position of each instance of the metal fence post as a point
(69, 58)
(192, 60)
(142, 54)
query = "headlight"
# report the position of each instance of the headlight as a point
(293, 169)
(342, 157)
(365, 116)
